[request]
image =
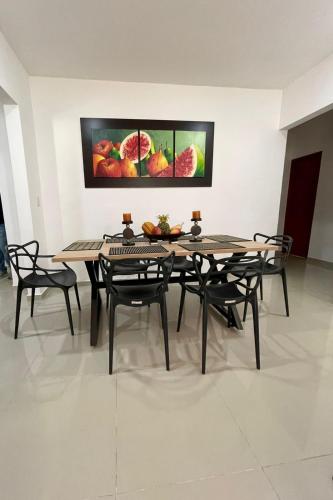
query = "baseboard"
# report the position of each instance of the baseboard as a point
(321, 263)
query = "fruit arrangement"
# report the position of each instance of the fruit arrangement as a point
(118, 160)
(162, 228)
(121, 159)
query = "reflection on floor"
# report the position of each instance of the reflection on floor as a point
(69, 431)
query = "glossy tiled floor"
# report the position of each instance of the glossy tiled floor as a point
(68, 431)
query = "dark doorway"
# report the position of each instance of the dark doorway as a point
(303, 181)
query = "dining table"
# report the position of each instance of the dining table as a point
(88, 251)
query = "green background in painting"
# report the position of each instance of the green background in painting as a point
(185, 138)
(160, 138)
(114, 135)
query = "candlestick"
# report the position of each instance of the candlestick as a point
(128, 234)
(127, 217)
(196, 229)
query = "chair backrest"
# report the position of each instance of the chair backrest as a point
(127, 267)
(24, 257)
(280, 240)
(219, 270)
(120, 237)
(111, 236)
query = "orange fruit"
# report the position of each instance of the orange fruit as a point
(96, 159)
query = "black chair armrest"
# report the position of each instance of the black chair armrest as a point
(54, 270)
(109, 236)
(48, 273)
(260, 235)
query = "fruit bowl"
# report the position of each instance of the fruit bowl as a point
(164, 237)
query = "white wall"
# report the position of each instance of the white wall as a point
(21, 155)
(310, 137)
(248, 157)
(309, 95)
(7, 187)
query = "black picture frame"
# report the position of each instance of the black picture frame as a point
(89, 124)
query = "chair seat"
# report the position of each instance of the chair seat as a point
(134, 265)
(220, 293)
(182, 264)
(268, 269)
(136, 294)
(65, 278)
(227, 292)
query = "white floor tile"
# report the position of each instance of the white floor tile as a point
(61, 447)
(174, 427)
(249, 485)
(305, 480)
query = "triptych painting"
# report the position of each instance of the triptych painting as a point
(146, 153)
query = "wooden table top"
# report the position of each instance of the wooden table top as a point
(91, 255)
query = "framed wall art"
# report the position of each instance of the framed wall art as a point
(168, 153)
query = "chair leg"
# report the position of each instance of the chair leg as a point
(33, 290)
(107, 300)
(204, 335)
(181, 307)
(261, 289)
(77, 296)
(146, 277)
(18, 309)
(229, 317)
(112, 317)
(69, 312)
(254, 303)
(248, 283)
(164, 315)
(285, 290)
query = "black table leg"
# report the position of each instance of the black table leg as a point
(92, 269)
(234, 318)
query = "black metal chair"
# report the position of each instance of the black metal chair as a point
(182, 265)
(24, 259)
(273, 265)
(215, 289)
(137, 295)
(136, 263)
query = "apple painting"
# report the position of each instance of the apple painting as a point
(109, 167)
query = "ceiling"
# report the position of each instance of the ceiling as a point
(241, 43)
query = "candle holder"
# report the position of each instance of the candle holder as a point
(128, 234)
(196, 230)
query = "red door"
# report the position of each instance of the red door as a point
(303, 181)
